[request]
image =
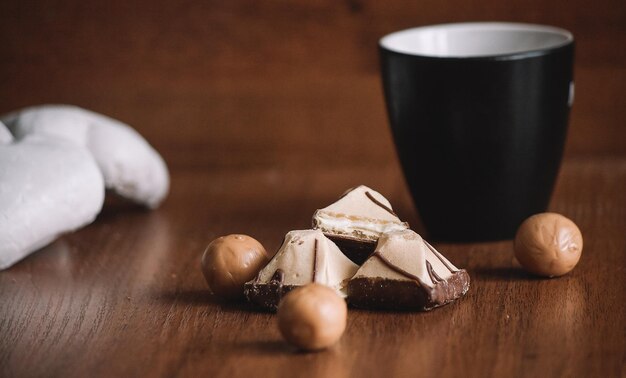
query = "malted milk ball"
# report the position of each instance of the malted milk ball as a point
(312, 317)
(230, 261)
(548, 244)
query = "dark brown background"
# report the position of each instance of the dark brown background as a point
(265, 111)
(273, 83)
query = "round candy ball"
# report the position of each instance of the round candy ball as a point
(230, 261)
(312, 317)
(548, 244)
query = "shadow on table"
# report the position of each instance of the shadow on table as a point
(281, 347)
(503, 274)
(204, 297)
(264, 347)
(116, 205)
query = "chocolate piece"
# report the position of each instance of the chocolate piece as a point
(230, 261)
(312, 317)
(356, 221)
(406, 273)
(305, 257)
(548, 245)
(356, 250)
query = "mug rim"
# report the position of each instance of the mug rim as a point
(567, 39)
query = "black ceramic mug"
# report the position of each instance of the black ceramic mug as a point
(479, 115)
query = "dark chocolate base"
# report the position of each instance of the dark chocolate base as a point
(386, 294)
(267, 295)
(356, 250)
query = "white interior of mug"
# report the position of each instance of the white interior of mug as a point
(475, 39)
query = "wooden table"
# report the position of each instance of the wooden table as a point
(125, 296)
(266, 111)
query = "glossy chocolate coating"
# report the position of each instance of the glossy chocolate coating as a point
(548, 244)
(230, 261)
(312, 317)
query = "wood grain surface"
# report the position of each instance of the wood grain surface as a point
(246, 82)
(266, 111)
(126, 297)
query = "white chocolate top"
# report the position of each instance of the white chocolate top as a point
(406, 251)
(362, 213)
(308, 256)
